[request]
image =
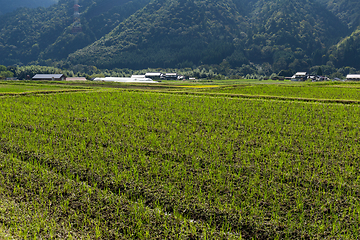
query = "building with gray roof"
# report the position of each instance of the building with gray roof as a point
(55, 77)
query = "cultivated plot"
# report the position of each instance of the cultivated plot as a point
(135, 164)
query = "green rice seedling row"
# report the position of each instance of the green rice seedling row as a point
(311, 90)
(37, 203)
(212, 167)
(14, 87)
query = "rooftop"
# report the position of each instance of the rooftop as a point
(154, 74)
(47, 76)
(353, 76)
(75, 79)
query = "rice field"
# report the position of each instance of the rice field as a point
(123, 164)
(302, 90)
(11, 87)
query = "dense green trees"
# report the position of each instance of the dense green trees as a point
(27, 72)
(347, 52)
(44, 35)
(9, 6)
(284, 33)
(346, 10)
(5, 73)
(167, 34)
(234, 37)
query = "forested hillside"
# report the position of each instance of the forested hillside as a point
(98, 19)
(45, 34)
(347, 11)
(347, 51)
(27, 32)
(291, 33)
(9, 6)
(170, 33)
(247, 36)
(286, 34)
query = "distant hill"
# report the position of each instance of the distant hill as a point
(278, 34)
(285, 33)
(44, 34)
(97, 19)
(346, 10)
(289, 33)
(9, 6)
(169, 33)
(26, 32)
(347, 51)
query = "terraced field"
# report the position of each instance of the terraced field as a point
(317, 91)
(139, 164)
(17, 87)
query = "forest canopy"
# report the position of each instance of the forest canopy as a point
(230, 36)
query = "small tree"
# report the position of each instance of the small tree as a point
(319, 72)
(6, 74)
(336, 75)
(273, 76)
(286, 73)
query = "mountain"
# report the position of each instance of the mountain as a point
(137, 34)
(9, 6)
(283, 32)
(169, 33)
(44, 34)
(347, 51)
(26, 32)
(289, 33)
(346, 10)
(97, 19)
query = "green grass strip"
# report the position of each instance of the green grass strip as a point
(42, 92)
(266, 97)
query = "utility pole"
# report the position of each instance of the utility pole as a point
(77, 23)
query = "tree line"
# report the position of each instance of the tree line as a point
(215, 71)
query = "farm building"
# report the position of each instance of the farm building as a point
(353, 77)
(155, 76)
(75, 79)
(299, 76)
(56, 77)
(137, 76)
(171, 76)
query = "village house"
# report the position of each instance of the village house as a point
(75, 79)
(155, 75)
(137, 76)
(171, 76)
(55, 77)
(353, 77)
(299, 76)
